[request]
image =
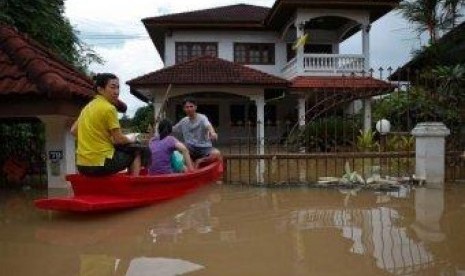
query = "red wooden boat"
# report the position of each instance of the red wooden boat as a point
(123, 191)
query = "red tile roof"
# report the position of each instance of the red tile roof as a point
(26, 67)
(215, 71)
(228, 14)
(338, 82)
(208, 70)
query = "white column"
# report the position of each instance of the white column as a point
(157, 106)
(366, 53)
(430, 152)
(156, 109)
(301, 111)
(301, 108)
(260, 104)
(367, 114)
(299, 55)
(366, 45)
(59, 149)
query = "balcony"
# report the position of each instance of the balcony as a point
(323, 64)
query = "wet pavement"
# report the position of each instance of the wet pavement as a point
(236, 230)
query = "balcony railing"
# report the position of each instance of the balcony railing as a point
(317, 64)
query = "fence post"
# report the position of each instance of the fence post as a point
(430, 152)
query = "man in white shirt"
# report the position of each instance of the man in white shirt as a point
(198, 134)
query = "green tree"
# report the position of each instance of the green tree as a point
(425, 14)
(404, 109)
(451, 81)
(44, 21)
(432, 16)
(452, 10)
(125, 122)
(143, 119)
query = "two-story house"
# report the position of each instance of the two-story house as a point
(239, 62)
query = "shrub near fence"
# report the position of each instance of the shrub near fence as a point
(22, 154)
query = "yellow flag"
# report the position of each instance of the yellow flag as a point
(300, 41)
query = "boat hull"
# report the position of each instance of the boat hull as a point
(123, 191)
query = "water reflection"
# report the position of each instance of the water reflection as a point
(429, 207)
(376, 232)
(160, 267)
(227, 230)
(196, 217)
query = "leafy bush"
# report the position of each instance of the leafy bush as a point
(326, 133)
(366, 141)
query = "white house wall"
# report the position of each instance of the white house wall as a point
(226, 40)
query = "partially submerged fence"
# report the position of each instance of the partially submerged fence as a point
(333, 141)
(286, 164)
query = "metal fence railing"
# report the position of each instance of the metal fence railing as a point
(335, 135)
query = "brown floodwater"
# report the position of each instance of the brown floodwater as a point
(238, 230)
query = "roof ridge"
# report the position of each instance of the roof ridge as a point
(165, 69)
(201, 11)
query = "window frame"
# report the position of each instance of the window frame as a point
(188, 55)
(248, 53)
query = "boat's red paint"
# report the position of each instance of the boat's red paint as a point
(123, 191)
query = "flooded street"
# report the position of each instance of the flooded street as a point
(233, 230)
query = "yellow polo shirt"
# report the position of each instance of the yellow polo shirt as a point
(94, 139)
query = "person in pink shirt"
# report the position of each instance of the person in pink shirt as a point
(162, 147)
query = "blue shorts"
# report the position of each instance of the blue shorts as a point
(199, 152)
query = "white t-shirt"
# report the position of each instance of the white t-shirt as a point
(194, 132)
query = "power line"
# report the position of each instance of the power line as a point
(114, 38)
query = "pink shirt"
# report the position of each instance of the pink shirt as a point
(161, 151)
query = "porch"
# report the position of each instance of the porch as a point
(324, 65)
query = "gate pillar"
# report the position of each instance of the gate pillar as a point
(430, 152)
(60, 150)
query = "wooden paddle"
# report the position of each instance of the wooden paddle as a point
(160, 112)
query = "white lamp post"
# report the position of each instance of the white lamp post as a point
(383, 126)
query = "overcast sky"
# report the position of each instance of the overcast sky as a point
(102, 24)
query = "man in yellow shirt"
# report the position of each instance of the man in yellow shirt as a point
(101, 146)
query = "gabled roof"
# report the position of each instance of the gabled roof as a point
(206, 70)
(338, 83)
(250, 17)
(27, 67)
